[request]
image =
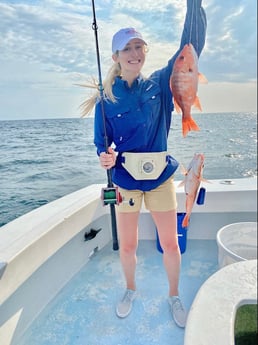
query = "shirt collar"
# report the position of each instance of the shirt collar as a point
(136, 82)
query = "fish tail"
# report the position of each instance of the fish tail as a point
(189, 125)
(185, 221)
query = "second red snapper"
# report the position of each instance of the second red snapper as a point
(191, 182)
(184, 84)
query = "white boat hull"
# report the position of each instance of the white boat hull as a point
(42, 250)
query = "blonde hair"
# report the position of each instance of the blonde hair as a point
(115, 71)
(89, 104)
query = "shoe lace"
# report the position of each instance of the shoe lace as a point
(177, 305)
(128, 296)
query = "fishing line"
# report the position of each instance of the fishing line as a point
(194, 7)
(110, 192)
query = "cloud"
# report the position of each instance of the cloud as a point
(33, 92)
(231, 45)
(228, 96)
(50, 45)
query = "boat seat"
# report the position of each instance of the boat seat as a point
(211, 318)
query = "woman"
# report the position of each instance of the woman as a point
(137, 120)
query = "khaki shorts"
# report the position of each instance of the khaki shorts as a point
(161, 199)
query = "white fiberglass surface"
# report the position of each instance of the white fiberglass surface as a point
(83, 313)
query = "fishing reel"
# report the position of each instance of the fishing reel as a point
(111, 196)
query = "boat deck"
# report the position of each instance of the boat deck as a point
(83, 313)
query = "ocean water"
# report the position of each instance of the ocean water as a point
(42, 160)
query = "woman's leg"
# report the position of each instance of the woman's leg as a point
(128, 242)
(166, 223)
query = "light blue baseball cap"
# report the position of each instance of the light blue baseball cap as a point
(123, 36)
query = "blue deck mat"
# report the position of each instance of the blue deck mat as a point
(84, 311)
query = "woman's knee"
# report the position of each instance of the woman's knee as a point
(170, 247)
(128, 249)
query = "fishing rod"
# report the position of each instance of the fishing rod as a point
(109, 195)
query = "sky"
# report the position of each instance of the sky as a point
(47, 49)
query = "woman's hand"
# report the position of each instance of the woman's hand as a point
(107, 160)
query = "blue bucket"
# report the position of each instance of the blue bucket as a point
(181, 234)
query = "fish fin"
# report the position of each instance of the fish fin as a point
(185, 221)
(181, 184)
(202, 79)
(178, 109)
(197, 103)
(188, 125)
(183, 169)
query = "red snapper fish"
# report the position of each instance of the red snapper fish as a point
(184, 84)
(191, 182)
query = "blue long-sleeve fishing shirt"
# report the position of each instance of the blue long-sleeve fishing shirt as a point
(140, 119)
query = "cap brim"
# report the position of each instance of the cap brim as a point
(122, 45)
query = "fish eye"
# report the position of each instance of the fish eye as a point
(190, 70)
(182, 57)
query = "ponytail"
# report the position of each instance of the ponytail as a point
(88, 105)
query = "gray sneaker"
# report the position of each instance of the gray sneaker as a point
(124, 307)
(178, 311)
